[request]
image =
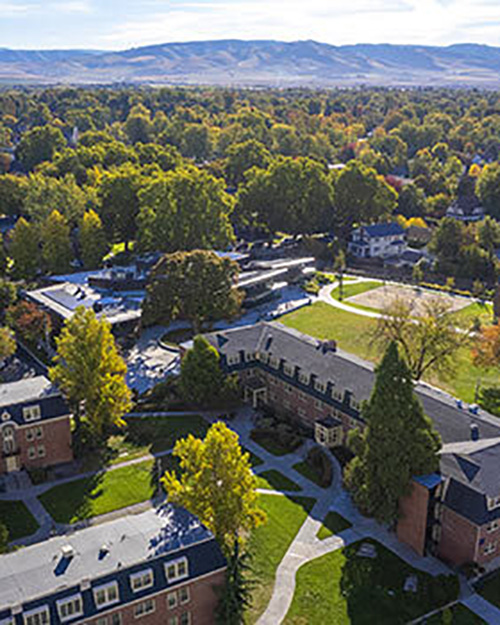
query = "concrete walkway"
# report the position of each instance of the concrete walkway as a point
(483, 608)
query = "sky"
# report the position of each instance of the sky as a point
(122, 24)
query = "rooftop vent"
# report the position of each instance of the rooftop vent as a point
(328, 346)
(103, 551)
(67, 552)
(474, 432)
(473, 408)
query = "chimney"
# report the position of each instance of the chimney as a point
(474, 432)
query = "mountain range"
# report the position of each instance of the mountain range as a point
(259, 63)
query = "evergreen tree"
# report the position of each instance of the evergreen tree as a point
(56, 243)
(24, 250)
(3, 257)
(4, 538)
(92, 240)
(399, 442)
(235, 595)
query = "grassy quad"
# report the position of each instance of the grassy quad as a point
(344, 588)
(333, 523)
(461, 615)
(105, 492)
(352, 332)
(269, 543)
(17, 519)
(490, 589)
(355, 288)
(274, 480)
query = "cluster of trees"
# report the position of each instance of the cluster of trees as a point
(179, 169)
(467, 251)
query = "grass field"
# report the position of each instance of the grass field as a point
(344, 588)
(490, 590)
(269, 543)
(334, 523)
(88, 497)
(274, 480)
(309, 472)
(17, 519)
(150, 435)
(355, 288)
(476, 310)
(352, 333)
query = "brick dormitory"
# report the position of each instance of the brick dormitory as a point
(161, 567)
(453, 514)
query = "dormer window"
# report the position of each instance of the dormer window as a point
(39, 616)
(70, 608)
(31, 413)
(234, 359)
(142, 580)
(336, 394)
(319, 386)
(106, 595)
(5, 416)
(304, 378)
(274, 362)
(493, 502)
(176, 570)
(288, 369)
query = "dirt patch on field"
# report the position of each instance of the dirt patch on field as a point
(383, 296)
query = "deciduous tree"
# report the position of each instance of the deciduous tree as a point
(25, 249)
(90, 371)
(428, 339)
(7, 343)
(202, 380)
(56, 243)
(198, 286)
(38, 145)
(93, 242)
(29, 322)
(216, 484)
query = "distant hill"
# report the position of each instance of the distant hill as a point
(259, 63)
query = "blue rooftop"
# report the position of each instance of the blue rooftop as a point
(429, 481)
(383, 230)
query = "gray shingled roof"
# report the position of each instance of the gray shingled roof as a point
(474, 463)
(31, 389)
(346, 371)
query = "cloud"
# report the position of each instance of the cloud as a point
(73, 6)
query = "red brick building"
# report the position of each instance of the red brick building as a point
(161, 567)
(35, 426)
(455, 514)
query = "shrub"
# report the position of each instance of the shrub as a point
(343, 455)
(320, 462)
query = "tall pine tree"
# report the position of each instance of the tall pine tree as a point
(399, 442)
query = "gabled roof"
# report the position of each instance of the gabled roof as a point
(475, 464)
(383, 230)
(347, 371)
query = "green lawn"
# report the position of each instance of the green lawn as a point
(334, 523)
(269, 543)
(153, 434)
(490, 590)
(356, 288)
(476, 310)
(344, 588)
(273, 446)
(274, 480)
(352, 332)
(17, 519)
(309, 472)
(460, 616)
(102, 493)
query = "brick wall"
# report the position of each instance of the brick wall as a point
(51, 448)
(412, 523)
(488, 537)
(458, 538)
(201, 605)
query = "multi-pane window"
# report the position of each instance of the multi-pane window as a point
(106, 595)
(32, 433)
(40, 616)
(319, 386)
(288, 369)
(41, 451)
(141, 580)
(172, 600)
(184, 595)
(489, 549)
(144, 607)
(185, 618)
(31, 413)
(70, 608)
(303, 378)
(177, 569)
(31, 453)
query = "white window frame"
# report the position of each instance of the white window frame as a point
(42, 610)
(288, 370)
(304, 379)
(140, 609)
(31, 452)
(32, 413)
(320, 387)
(493, 502)
(188, 622)
(492, 527)
(176, 564)
(187, 597)
(69, 600)
(172, 595)
(41, 451)
(489, 549)
(145, 577)
(173, 620)
(105, 588)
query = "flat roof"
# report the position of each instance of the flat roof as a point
(26, 390)
(40, 570)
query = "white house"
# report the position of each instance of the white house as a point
(378, 241)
